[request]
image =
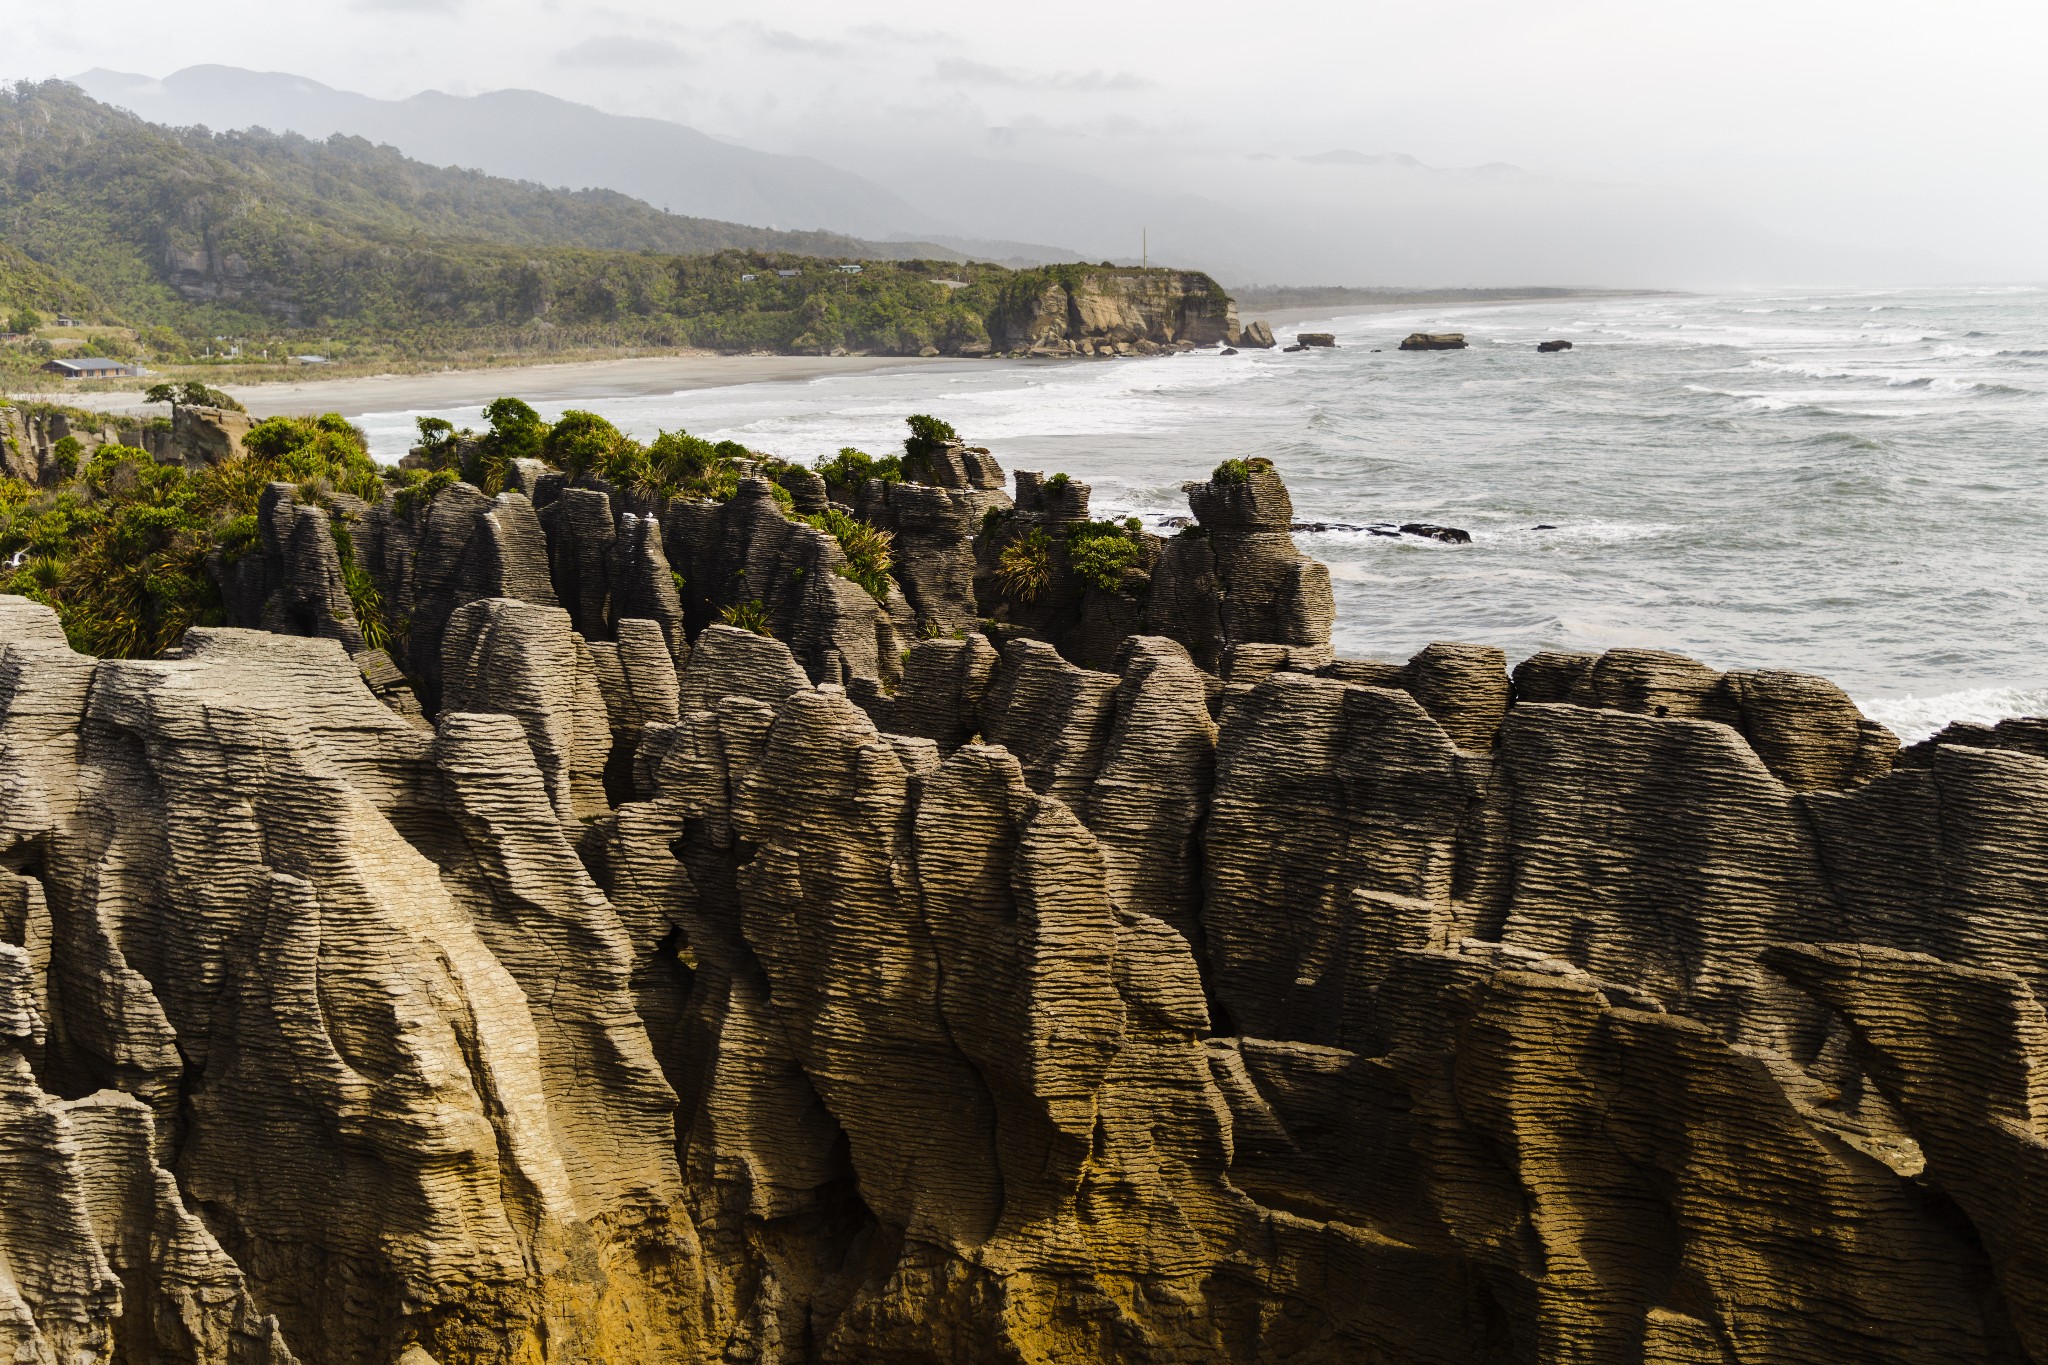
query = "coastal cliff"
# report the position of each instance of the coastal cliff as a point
(1063, 955)
(1089, 310)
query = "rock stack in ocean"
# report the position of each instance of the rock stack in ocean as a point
(689, 993)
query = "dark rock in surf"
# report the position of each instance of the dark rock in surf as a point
(1449, 535)
(1306, 339)
(1549, 346)
(1434, 341)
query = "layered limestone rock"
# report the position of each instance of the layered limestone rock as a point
(1235, 577)
(1030, 585)
(465, 547)
(746, 560)
(607, 570)
(206, 436)
(403, 1093)
(933, 519)
(687, 993)
(292, 584)
(1256, 335)
(1105, 305)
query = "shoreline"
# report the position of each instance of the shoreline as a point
(579, 380)
(643, 375)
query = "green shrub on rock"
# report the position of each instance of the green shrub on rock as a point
(747, 616)
(582, 443)
(1240, 471)
(1024, 568)
(1100, 560)
(850, 469)
(869, 549)
(64, 456)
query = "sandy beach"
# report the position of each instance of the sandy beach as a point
(595, 380)
(578, 381)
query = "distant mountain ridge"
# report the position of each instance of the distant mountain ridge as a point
(526, 135)
(1299, 215)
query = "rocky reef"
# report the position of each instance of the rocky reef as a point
(1064, 956)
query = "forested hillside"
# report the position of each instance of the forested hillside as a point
(277, 242)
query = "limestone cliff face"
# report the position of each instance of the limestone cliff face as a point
(680, 992)
(1082, 308)
(191, 436)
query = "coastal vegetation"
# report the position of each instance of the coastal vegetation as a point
(1024, 568)
(1101, 551)
(119, 546)
(236, 252)
(130, 550)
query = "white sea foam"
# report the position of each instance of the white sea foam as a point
(1915, 718)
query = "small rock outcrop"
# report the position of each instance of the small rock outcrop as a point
(1236, 577)
(1313, 340)
(1551, 347)
(292, 583)
(933, 517)
(1256, 335)
(1433, 341)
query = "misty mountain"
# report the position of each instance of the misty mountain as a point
(1320, 215)
(1343, 216)
(526, 135)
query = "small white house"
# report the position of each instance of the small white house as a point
(748, 279)
(849, 269)
(789, 274)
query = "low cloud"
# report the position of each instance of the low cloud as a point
(961, 71)
(888, 34)
(621, 50)
(782, 40)
(410, 6)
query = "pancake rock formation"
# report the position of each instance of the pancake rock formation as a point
(1104, 970)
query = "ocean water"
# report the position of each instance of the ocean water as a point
(1852, 484)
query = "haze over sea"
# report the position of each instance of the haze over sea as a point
(1850, 484)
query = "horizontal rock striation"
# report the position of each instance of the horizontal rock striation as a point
(1067, 310)
(825, 983)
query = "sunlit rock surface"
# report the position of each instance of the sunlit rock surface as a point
(655, 989)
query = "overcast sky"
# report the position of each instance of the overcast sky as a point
(1873, 122)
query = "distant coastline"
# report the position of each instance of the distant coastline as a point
(368, 388)
(1282, 307)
